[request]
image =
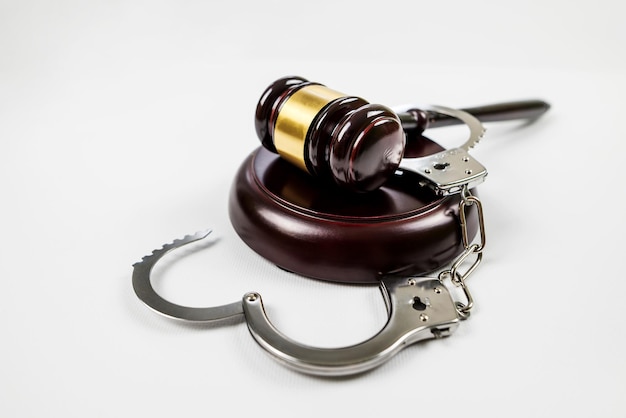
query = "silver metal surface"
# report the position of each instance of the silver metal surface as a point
(146, 293)
(446, 172)
(456, 277)
(467, 201)
(418, 308)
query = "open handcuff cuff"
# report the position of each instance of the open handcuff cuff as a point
(418, 308)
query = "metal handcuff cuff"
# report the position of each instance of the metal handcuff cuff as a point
(418, 308)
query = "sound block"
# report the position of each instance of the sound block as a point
(322, 232)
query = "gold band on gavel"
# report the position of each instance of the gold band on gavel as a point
(296, 116)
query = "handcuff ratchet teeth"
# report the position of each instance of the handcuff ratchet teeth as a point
(448, 171)
(418, 308)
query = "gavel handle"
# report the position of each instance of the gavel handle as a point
(524, 109)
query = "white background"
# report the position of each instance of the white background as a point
(122, 124)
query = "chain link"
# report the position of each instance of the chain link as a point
(476, 249)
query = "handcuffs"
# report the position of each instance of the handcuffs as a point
(418, 308)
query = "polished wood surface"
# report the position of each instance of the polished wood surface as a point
(341, 139)
(299, 224)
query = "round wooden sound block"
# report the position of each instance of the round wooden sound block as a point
(323, 232)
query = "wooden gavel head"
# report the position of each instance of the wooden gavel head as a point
(341, 139)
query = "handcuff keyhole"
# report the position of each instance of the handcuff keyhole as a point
(441, 166)
(418, 305)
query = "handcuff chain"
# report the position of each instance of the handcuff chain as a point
(456, 277)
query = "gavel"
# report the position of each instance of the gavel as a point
(345, 140)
